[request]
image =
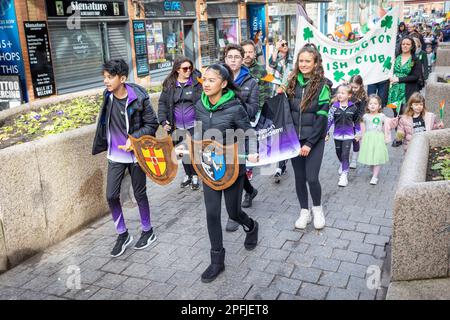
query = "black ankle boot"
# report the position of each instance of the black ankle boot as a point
(216, 267)
(251, 239)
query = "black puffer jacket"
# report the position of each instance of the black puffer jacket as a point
(230, 115)
(311, 124)
(166, 101)
(361, 104)
(249, 93)
(141, 117)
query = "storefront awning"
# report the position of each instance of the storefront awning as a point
(222, 10)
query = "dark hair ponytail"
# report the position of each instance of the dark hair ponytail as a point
(226, 74)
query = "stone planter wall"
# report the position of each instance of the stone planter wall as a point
(443, 55)
(435, 93)
(420, 246)
(49, 189)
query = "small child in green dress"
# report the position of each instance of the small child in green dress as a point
(375, 128)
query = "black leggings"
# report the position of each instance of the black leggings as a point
(187, 165)
(356, 145)
(343, 148)
(247, 185)
(213, 203)
(306, 169)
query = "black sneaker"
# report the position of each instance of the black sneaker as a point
(146, 239)
(248, 199)
(123, 240)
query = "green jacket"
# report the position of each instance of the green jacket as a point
(265, 89)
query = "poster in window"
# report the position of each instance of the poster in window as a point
(151, 53)
(158, 32)
(160, 56)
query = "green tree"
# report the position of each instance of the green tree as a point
(386, 23)
(387, 64)
(307, 34)
(338, 75)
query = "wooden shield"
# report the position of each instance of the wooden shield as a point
(209, 159)
(155, 156)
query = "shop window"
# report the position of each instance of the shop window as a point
(227, 33)
(277, 28)
(165, 43)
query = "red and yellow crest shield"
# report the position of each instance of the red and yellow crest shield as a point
(156, 156)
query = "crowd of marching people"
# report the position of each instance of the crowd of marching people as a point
(231, 94)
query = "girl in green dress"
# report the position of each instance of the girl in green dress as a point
(375, 128)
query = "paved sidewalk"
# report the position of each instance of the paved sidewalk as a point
(337, 263)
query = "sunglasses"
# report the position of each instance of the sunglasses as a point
(186, 69)
(284, 44)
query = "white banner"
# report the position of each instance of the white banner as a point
(372, 57)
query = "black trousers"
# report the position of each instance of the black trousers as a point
(247, 185)
(116, 172)
(282, 165)
(188, 168)
(306, 169)
(213, 202)
(343, 148)
(381, 89)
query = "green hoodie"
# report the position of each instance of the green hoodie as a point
(324, 96)
(225, 98)
(301, 81)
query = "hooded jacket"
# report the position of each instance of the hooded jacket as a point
(176, 105)
(249, 92)
(345, 120)
(227, 114)
(141, 118)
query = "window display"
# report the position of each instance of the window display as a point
(227, 33)
(165, 43)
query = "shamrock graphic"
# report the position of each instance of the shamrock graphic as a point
(387, 64)
(307, 34)
(354, 72)
(338, 75)
(386, 23)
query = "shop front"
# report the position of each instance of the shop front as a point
(282, 23)
(223, 28)
(83, 35)
(171, 33)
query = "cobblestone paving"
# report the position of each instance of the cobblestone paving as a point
(340, 262)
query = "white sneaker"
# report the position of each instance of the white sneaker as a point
(374, 181)
(343, 180)
(304, 219)
(319, 218)
(353, 164)
(340, 169)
